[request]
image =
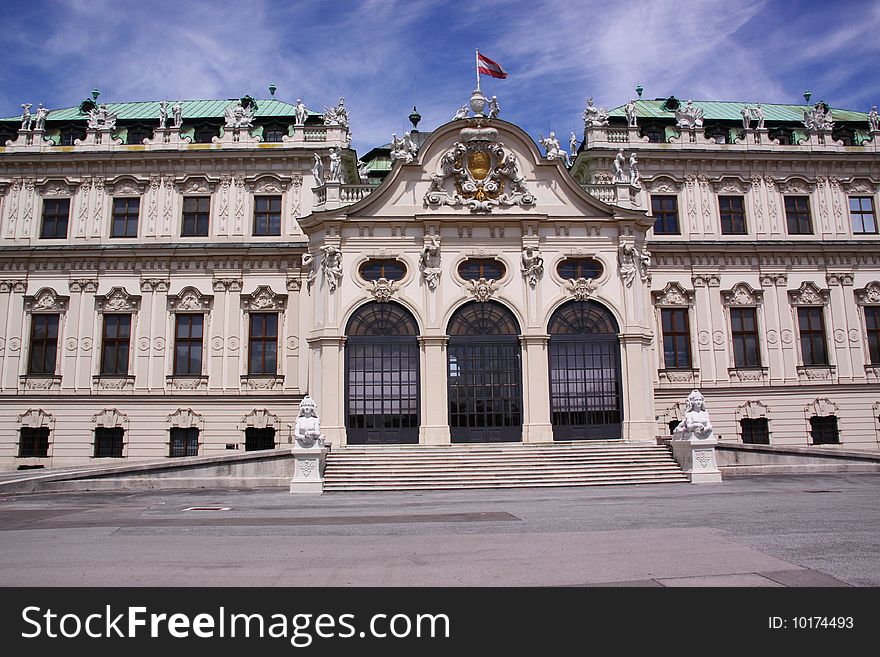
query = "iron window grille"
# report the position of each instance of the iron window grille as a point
(824, 430)
(256, 439)
(56, 216)
(676, 338)
(109, 442)
(115, 344)
(44, 344)
(267, 215)
(665, 212)
(864, 218)
(188, 343)
(263, 343)
(755, 431)
(125, 217)
(797, 215)
(812, 331)
(33, 442)
(184, 442)
(744, 332)
(196, 216)
(733, 215)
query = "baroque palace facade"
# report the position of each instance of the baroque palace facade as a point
(175, 277)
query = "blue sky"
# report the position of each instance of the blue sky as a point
(385, 55)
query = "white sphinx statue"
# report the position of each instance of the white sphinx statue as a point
(693, 442)
(307, 430)
(309, 450)
(696, 423)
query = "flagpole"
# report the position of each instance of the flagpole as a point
(478, 68)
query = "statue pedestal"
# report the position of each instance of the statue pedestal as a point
(697, 458)
(308, 469)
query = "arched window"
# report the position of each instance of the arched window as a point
(387, 268)
(574, 268)
(473, 269)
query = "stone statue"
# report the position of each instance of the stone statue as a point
(532, 264)
(363, 172)
(300, 112)
(573, 144)
(163, 114)
(307, 429)
(819, 119)
(336, 115)
(631, 113)
(26, 116)
(429, 261)
(874, 119)
(746, 113)
(403, 148)
(696, 423)
(752, 113)
(177, 113)
(509, 168)
(758, 115)
(618, 168)
(318, 171)
(100, 118)
(42, 114)
(554, 149)
(634, 177)
(308, 264)
(645, 264)
(594, 116)
(332, 266)
(462, 113)
(690, 116)
(238, 116)
(336, 164)
(626, 260)
(494, 109)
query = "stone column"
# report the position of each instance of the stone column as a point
(328, 356)
(638, 390)
(434, 429)
(536, 389)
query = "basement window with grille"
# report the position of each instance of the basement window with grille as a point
(256, 439)
(109, 442)
(33, 442)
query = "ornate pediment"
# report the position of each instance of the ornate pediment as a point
(259, 418)
(861, 186)
(479, 173)
(268, 185)
(662, 185)
(742, 294)
(117, 300)
(46, 301)
(752, 409)
(110, 418)
(673, 295)
(263, 299)
(868, 294)
(808, 294)
(55, 188)
(127, 187)
(190, 300)
(186, 418)
(730, 186)
(821, 407)
(795, 186)
(196, 185)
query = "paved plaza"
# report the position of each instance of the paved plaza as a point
(818, 530)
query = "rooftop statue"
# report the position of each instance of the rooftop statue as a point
(634, 176)
(758, 115)
(618, 168)
(874, 119)
(163, 113)
(594, 116)
(363, 172)
(26, 116)
(403, 148)
(819, 119)
(42, 114)
(177, 113)
(336, 164)
(240, 115)
(573, 144)
(318, 171)
(494, 108)
(689, 117)
(554, 149)
(750, 114)
(300, 112)
(101, 118)
(631, 113)
(336, 115)
(462, 113)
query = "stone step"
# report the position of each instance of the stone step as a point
(542, 483)
(337, 469)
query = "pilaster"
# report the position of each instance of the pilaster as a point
(434, 429)
(536, 386)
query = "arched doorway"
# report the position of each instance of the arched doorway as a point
(484, 375)
(585, 382)
(382, 376)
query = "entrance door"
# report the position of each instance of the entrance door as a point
(484, 375)
(382, 376)
(585, 399)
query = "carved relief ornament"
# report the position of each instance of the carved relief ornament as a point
(673, 295)
(478, 173)
(46, 301)
(190, 300)
(481, 289)
(117, 300)
(263, 299)
(868, 294)
(383, 289)
(808, 294)
(742, 294)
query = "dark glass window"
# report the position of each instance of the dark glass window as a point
(733, 215)
(797, 215)
(70, 135)
(573, 268)
(665, 211)
(655, 133)
(196, 214)
(376, 268)
(109, 442)
(184, 442)
(263, 343)
(44, 344)
(115, 344)
(676, 338)
(274, 132)
(755, 431)
(872, 324)
(267, 215)
(473, 269)
(33, 442)
(137, 134)
(125, 217)
(812, 329)
(188, 344)
(56, 215)
(861, 211)
(255, 439)
(744, 331)
(824, 431)
(204, 133)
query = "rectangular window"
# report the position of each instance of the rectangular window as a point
(812, 329)
(108, 442)
(115, 344)
(263, 343)
(255, 439)
(744, 331)
(196, 215)
(797, 215)
(267, 215)
(33, 442)
(188, 344)
(44, 344)
(872, 324)
(56, 215)
(824, 431)
(665, 211)
(184, 442)
(125, 217)
(676, 338)
(755, 431)
(733, 215)
(861, 211)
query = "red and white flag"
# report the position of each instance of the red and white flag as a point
(487, 67)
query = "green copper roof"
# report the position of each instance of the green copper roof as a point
(730, 111)
(192, 109)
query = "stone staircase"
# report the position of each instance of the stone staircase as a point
(507, 465)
